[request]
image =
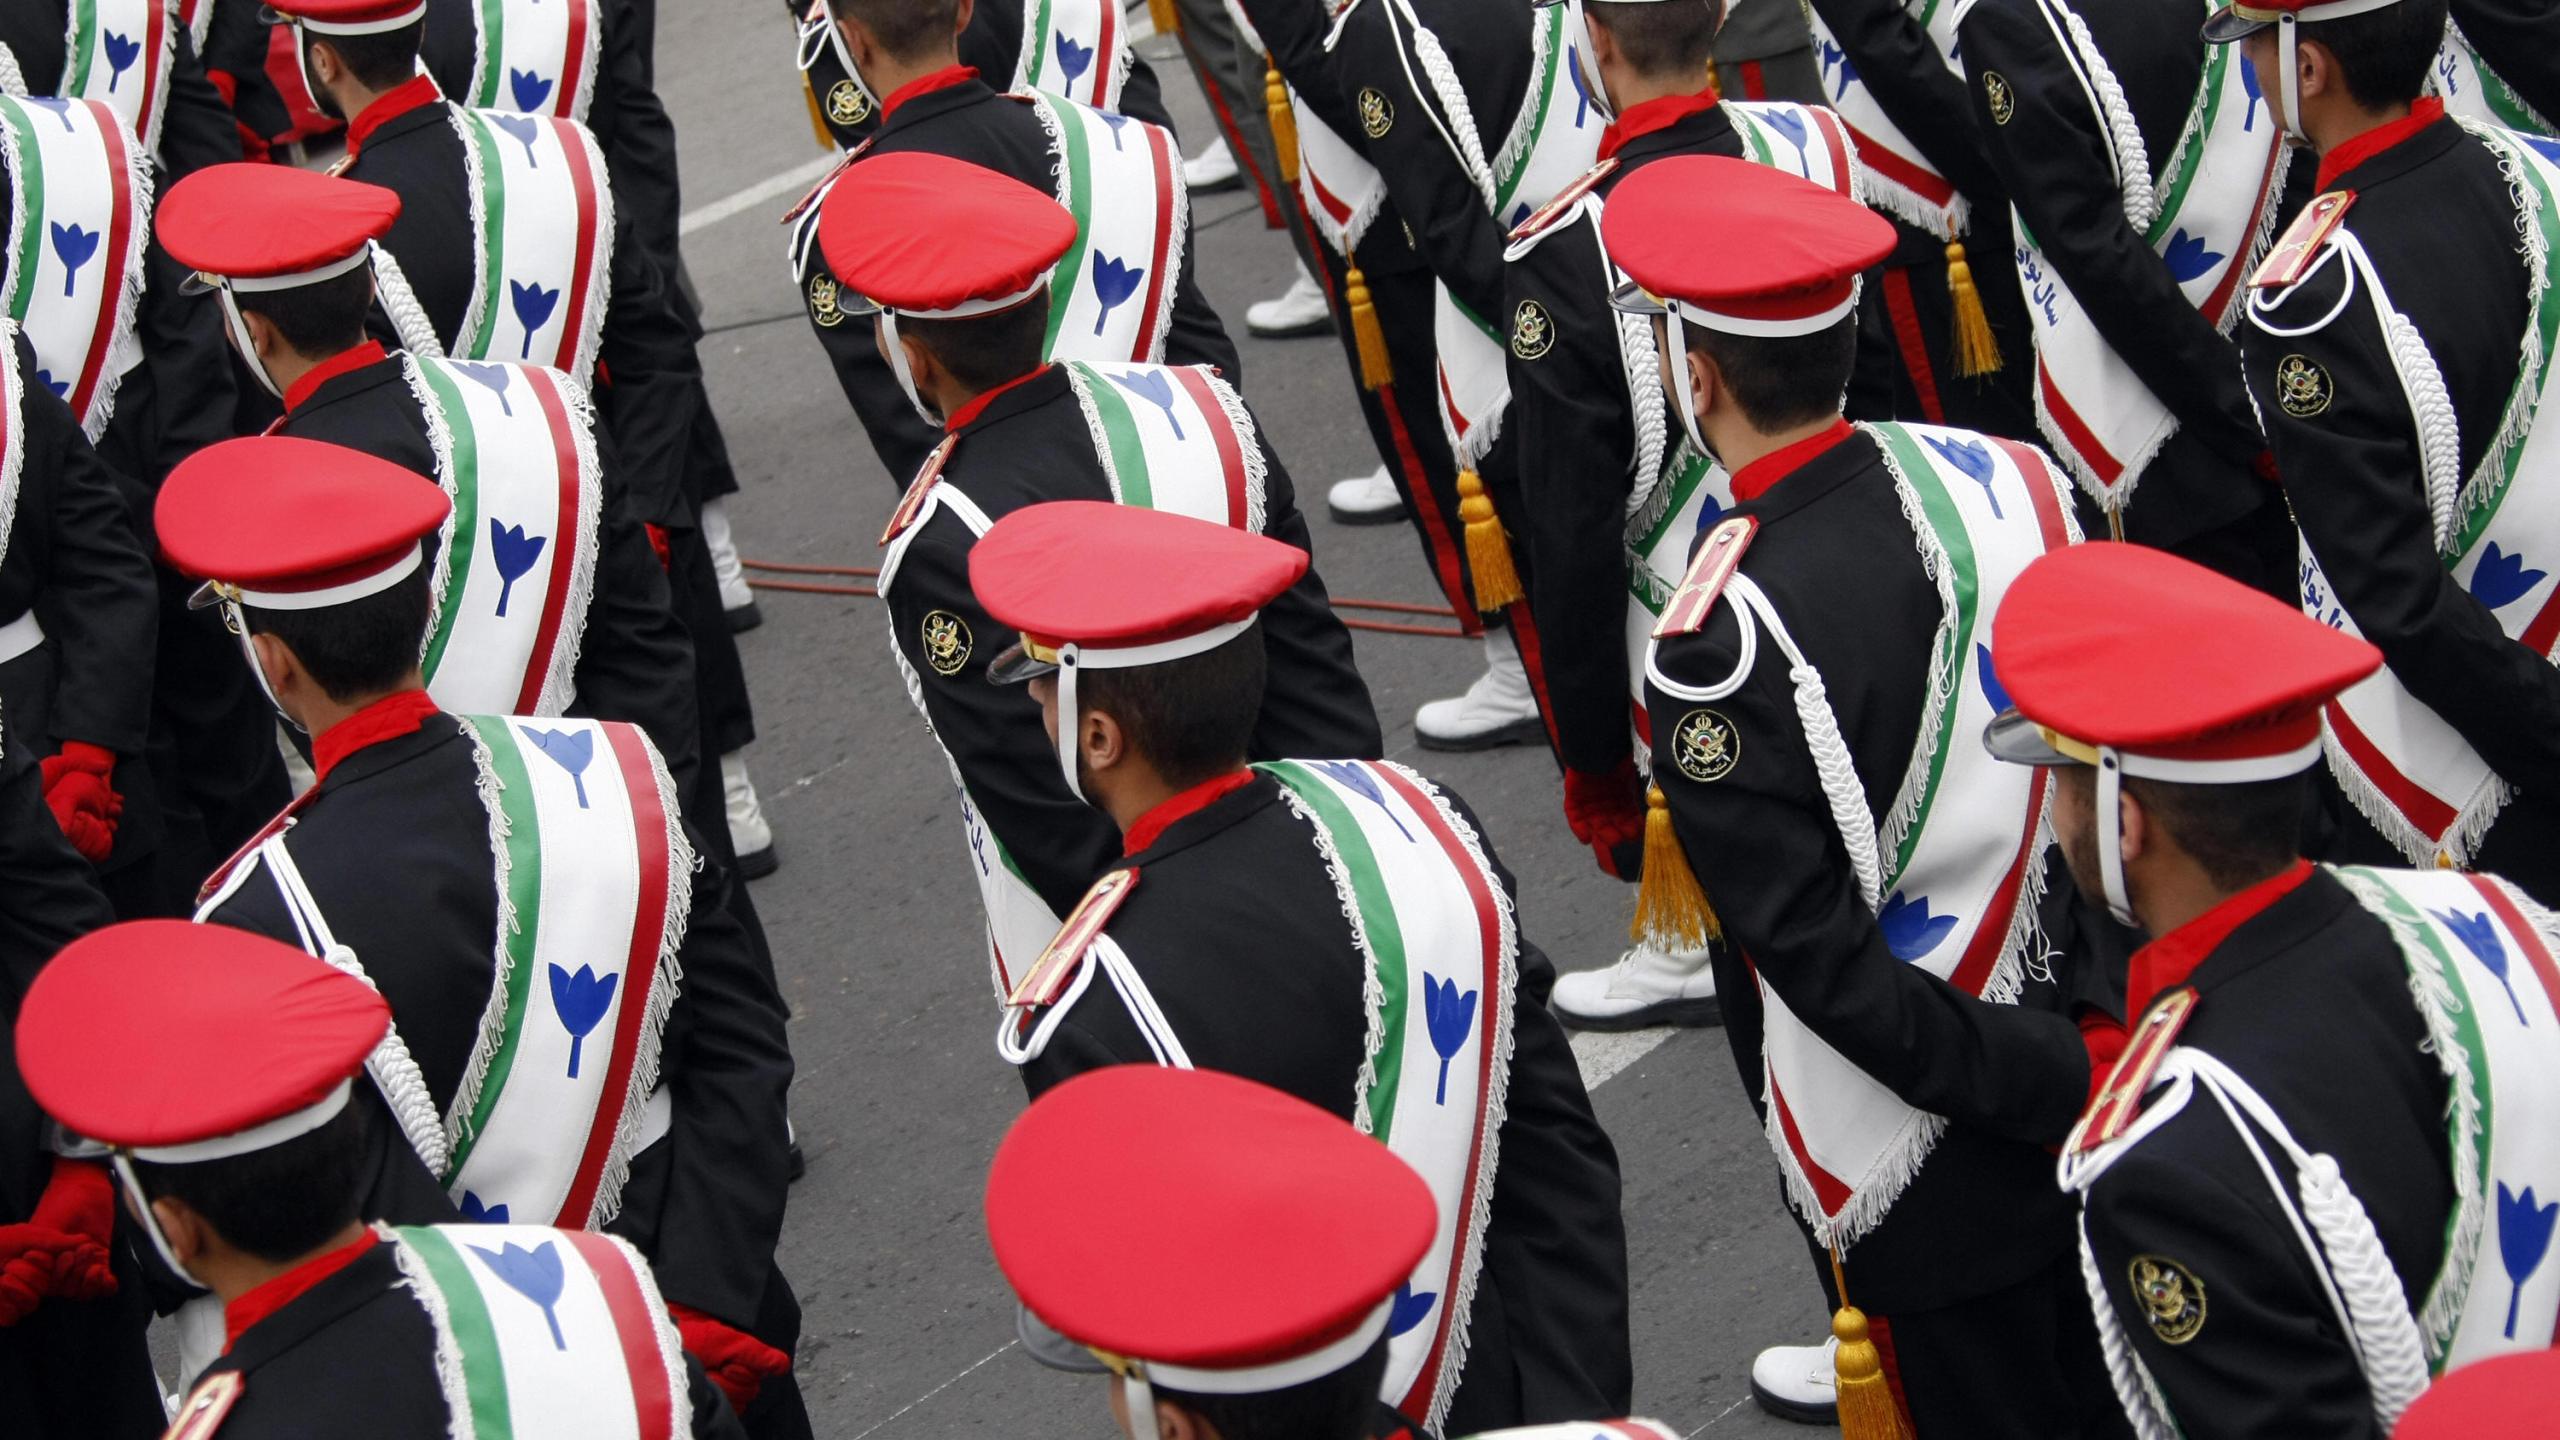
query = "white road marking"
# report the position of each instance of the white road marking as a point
(797, 178)
(1602, 1055)
(945, 1385)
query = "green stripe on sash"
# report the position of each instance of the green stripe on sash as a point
(1946, 676)
(30, 178)
(1120, 428)
(1377, 917)
(1751, 134)
(524, 889)
(484, 1371)
(2189, 157)
(1036, 37)
(1473, 318)
(1062, 281)
(493, 225)
(493, 49)
(2473, 519)
(1506, 186)
(84, 33)
(466, 509)
(1643, 586)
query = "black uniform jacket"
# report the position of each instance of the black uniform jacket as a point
(2438, 221)
(1236, 929)
(2520, 39)
(195, 124)
(48, 898)
(356, 1355)
(991, 44)
(1030, 444)
(406, 143)
(2051, 152)
(1577, 438)
(1983, 1212)
(2309, 1002)
(394, 843)
(636, 661)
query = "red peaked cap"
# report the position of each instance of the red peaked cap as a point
(1116, 577)
(159, 1032)
(349, 16)
(2504, 1395)
(923, 233)
(1744, 242)
(1196, 1219)
(249, 222)
(2124, 646)
(280, 516)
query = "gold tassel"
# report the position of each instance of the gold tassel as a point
(1671, 911)
(1376, 370)
(1488, 553)
(1284, 121)
(817, 116)
(1168, 20)
(1868, 1410)
(1977, 351)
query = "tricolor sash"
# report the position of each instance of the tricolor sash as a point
(118, 52)
(1342, 191)
(535, 57)
(2472, 91)
(2498, 532)
(595, 889)
(1436, 932)
(1900, 180)
(79, 215)
(542, 236)
(545, 1332)
(2210, 212)
(1173, 437)
(516, 570)
(13, 435)
(1111, 295)
(1076, 48)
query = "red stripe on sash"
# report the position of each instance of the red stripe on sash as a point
(1927, 184)
(1913, 342)
(1102, 66)
(2535, 952)
(1230, 452)
(1332, 203)
(648, 924)
(1843, 175)
(2038, 474)
(572, 64)
(583, 180)
(111, 276)
(555, 599)
(155, 34)
(2106, 467)
(1828, 1192)
(635, 1324)
(2539, 636)
(2412, 800)
(1992, 935)
(2220, 300)
(1160, 152)
(1417, 1401)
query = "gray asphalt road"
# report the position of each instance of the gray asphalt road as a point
(873, 920)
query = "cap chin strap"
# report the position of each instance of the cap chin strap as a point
(824, 30)
(1141, 1397)
(236, 620)
(2289, 84)
(1070, 725)
(240, 337)
(2110, 819)
(906, 377)
(1577, 34)
(151, 1220)
(1682, 395)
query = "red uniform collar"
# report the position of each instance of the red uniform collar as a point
(388, 718)
(292, 1285)
(977, 406)
(388, 106)
(1760, 476)
(343, 363)
(1660, 113)
(1152, 825)
(2165, 963)
(2339, 160)
(942, 79)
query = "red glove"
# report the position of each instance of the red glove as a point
(78, 788)
(658, 542)
(1606, 813)
(737, 1362)
(2266, 469)
(61, 1251)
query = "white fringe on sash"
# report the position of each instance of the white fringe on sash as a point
(599, 276)
(681, 862)
(560, 683)
(475, 182)
(440, 445)
(1257, 470)
(1524, 125)
(12, 82)
(502, 977)
(13, 432)
(452, 1377)
(662, 1329)
(2516, 421)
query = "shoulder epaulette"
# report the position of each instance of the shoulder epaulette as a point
(919, 490)
(2119, 1101)
(1717, 558)
(826, 182)
(202, 1413)
(2300, 246)
(1047, 978)
(1570, 196)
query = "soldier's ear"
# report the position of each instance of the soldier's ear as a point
(182, 1227)
(1100, 737)
(960, 15)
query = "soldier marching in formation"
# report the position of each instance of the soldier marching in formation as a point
(1750, 386)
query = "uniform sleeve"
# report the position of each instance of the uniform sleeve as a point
(196, 128)
(182, 341)
(712, 1417)
(1197, 336)
(1761, 840)
(638, 139)
(635, 662)
(2054, 162)
(2356, 483)
(993, 733)
(2520, 40)
(1142, 94)
(1328, 712)
(1425, 179)
(1096, 1034)
(1894, 55)
(2214, 1293)
(98, 601)
(49, 896)
(1569, 409)
(651, 384)
(899, 436)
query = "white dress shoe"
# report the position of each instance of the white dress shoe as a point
(748, 832)
(1796, 1382)
(1498, 709)
(1648, 986)
(1369, 499)
(1298, 311)
(1213, 169)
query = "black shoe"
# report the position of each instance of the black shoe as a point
(745, 618)
(760, 864)
(799, 1163)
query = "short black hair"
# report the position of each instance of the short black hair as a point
(380, 61)
(1192, 718)
(2384, 53)
(1661, 37)
(1782, 380)
(2237, 834)
(361, 648)
(320, 319)
(281, 1203)
(1339, 1406)
(984, 351)
(908, 29)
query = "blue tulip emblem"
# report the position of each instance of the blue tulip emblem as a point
(523, 128)
(1115, 122)
(1409, 1309)
(515, 554)
(530, 91)
(2548, 148)
(2249, 82)
(1992, 689)
(1073, 58)
(1353, 775)
(45, 378)
(1710, 510)
(1155, 390)
(2187, 257)
(121, 53)
(73, 246)
(2501, 579)
(2524, 1237)
(1581, 87)
(571, 750)
(581, 1001)
(2479, 935)
(1835, 57)
(533, 306)
(1910, 931)
(61, 111)
(535, 1274)
(1973, 457)
(1452, 1018)
(1787, 123)
(495, 377)
(1113, 284)
(477, 1212)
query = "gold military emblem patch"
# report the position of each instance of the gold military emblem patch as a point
(946, 642)
(1376, 115)
(2303, 386)
(1533, 331)
(2004, 101)
(2170, 1296)
(847, 104)
(825, 301)
(1705, 746)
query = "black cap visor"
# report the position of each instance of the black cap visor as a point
(1016, 664)
(2013, 737)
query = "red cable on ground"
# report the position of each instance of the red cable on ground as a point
(1340, 602)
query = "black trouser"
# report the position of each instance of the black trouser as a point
(2021, 1361)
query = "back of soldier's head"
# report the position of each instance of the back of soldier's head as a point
(910, 30)
(2385, 53)
(359, 648)
(1661, 37)
(280, 1203)
(1342, 1405)
(1191, 719)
